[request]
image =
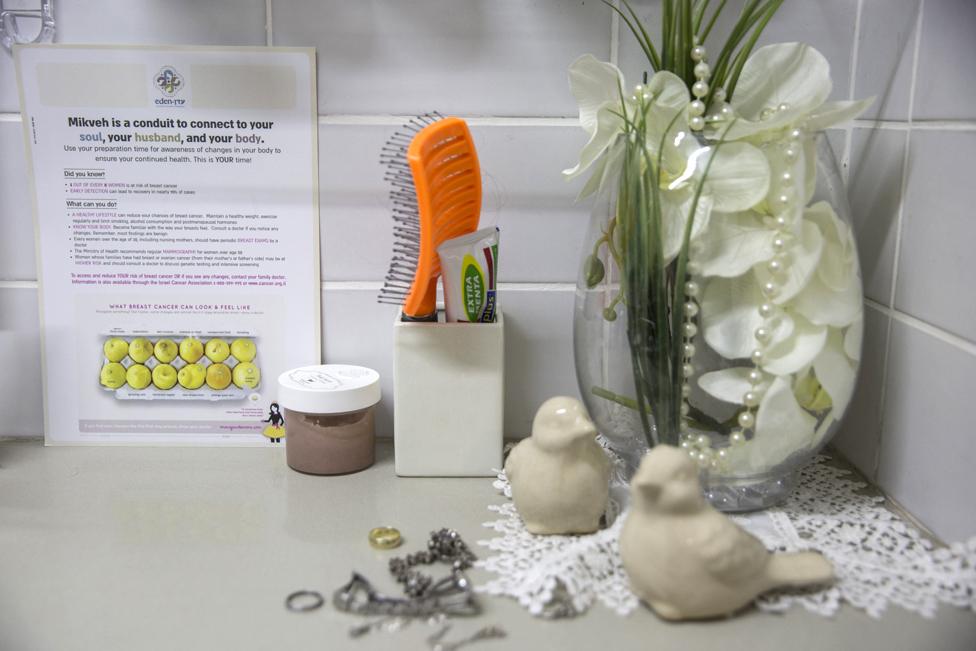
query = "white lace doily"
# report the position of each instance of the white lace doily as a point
(878, 558)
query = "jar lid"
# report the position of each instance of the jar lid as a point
(328, 388)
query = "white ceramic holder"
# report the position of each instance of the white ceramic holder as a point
(448, 397)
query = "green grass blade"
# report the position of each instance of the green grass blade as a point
(641, 36)
(711, 22)
(649, 50)
(700, 7)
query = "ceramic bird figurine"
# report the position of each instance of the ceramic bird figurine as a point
(688, 561)
(560, 475)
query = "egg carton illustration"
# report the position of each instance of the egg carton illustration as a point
(219, 374)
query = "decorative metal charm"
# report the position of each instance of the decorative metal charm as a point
(487, 633)
(451, 596)
(444, 545)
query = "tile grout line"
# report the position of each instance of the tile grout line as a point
(268, 27)
(930, 329)
(561, 121)
(849, 130)
(528, 286)
(917, 125)
(898, 235)
(398, 120)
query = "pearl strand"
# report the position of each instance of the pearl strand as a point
(698, 447)
(696, 109)
(770, 289)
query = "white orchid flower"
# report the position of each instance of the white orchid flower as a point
(833, 294)
(815, 338)
(781, 86)
(821, 289)
(738, 175)
(783, 426)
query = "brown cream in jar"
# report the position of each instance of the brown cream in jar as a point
(329, 417)
(330, 444)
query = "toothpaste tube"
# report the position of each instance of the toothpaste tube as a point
(469, 266)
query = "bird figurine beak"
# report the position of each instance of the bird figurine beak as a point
(585, 429)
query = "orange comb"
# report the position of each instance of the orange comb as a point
(447, 188)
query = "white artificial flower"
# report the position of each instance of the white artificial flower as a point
(730, 316)
(781, 86)
(819, 295)
(738, 173)
(734, 243)
(833, 295)
(783, 428)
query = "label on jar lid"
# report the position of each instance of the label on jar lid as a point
(328, 388)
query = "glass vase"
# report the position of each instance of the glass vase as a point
(775, 346)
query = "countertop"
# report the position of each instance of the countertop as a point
(196, 548)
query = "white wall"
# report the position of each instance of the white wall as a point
(502, 63)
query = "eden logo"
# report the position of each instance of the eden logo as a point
(169, 82)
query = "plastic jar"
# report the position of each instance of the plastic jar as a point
(329, 422)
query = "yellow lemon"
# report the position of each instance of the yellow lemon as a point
(192, 376)
(140, 350)
(243, 350)
(217, 350)
(247, 375)
(116, 349)
(191, 349)
(112, 375)
(164, 376)
(138, 376)
(218, 376)
(165, 350)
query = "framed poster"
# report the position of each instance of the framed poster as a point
(176, 220)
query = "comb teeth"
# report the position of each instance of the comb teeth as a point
(406, 216)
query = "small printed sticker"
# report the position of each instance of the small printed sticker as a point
(472, 287)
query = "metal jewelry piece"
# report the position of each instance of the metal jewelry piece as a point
(388, 623)
(451, 596)
(444, 545)
(487, 633)
(303, 601)
(384, 538)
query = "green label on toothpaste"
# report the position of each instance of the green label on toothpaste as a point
(472, 288)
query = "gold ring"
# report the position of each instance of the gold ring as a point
(384, 538)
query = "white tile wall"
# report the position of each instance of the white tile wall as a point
(480, 58)
(886, 45)
(929, 448)
(939, 231)
(16, 221)
(505, 63)
(874, 190)
(946, 61)
(20, 353)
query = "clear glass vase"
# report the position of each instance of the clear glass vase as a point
(775, 341)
